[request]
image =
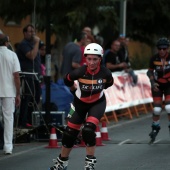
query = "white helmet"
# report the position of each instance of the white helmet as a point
(93, 48)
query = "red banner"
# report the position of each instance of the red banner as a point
(124, 94)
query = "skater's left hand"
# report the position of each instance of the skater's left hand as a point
(155, 87)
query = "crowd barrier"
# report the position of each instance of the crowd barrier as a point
(124, 95)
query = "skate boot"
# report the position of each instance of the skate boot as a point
(59, 164)
(90, 163)
(153, 134)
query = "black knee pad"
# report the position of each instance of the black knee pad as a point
(88, 134)
(69, 137)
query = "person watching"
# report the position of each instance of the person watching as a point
(29, 57)
(9, 91)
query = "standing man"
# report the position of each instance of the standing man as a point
(29, 57)
(72, 54)
(9, 90)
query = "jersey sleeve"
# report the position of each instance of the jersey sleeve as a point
(109, 79)
(74, 75)
(151, 63)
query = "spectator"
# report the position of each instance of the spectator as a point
(87, 30)
(99, 39)
(72, 54)
(124, 55)
(28, 54)
(112, 61)
(9, 91)
(90, 39)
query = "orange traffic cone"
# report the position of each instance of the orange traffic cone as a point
(98, 137)
(82, 144)
(53, 139)
(104, 132)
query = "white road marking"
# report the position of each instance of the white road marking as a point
(157, 141)
(121, 143)
(20, 153)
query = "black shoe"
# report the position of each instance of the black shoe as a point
(154, 133)
(27, 126)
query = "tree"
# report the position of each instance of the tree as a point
(67, 16)
(148, 20)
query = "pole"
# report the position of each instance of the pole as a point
(123, 4)
(47, 77)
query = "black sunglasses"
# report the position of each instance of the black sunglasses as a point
(162, 48)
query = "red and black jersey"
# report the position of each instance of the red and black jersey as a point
(161, 68)
(90, 85)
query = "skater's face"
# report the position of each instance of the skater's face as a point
(162, 52)
(93, 61)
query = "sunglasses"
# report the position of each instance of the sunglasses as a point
(162, 49)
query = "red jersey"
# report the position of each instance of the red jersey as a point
(161, 68)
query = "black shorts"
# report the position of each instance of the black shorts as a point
(96, 109)
(164, 90)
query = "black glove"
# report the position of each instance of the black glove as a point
(154, 85)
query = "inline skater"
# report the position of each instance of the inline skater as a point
(159, 75)
(89, 98)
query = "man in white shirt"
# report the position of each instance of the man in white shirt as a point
(9, 90)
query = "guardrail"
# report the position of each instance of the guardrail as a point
(124, 95)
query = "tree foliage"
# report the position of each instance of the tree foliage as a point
(148, 20)
(66, 16)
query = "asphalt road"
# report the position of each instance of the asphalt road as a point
(128, 149)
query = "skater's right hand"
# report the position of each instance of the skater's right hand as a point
(154, 85)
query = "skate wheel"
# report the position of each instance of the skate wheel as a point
(151, 141)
